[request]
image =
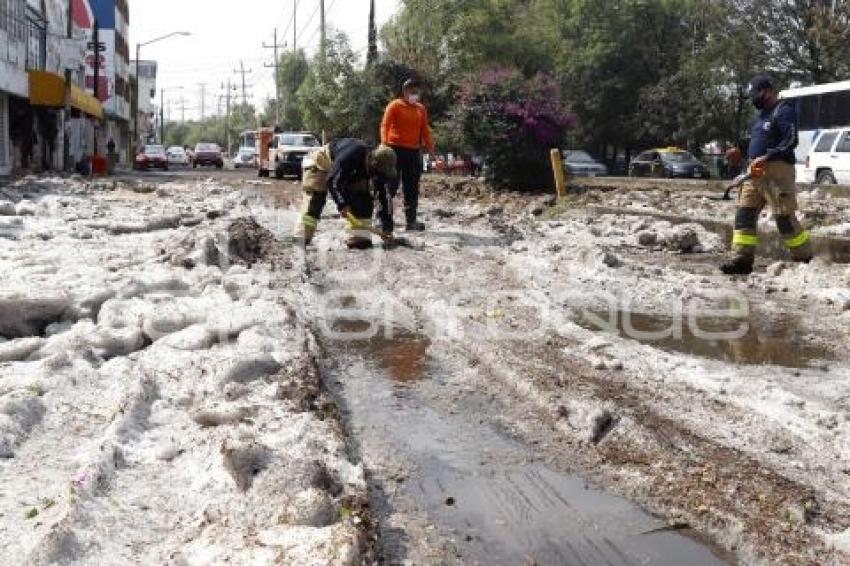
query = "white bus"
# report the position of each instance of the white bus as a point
(819, 107)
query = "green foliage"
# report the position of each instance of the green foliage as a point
(341, 98)
(331, 92)
(805, 41)
(292, 72)
(636, 73)
(214, 129)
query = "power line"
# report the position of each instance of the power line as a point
(310, 20)
(315, 31)
(276, 66)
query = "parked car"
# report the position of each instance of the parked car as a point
(670, 162)
(828, 162)
(287, 151)
(151, 156)
(247, 157)
(177, 156)
(208, 154)
(579, 163)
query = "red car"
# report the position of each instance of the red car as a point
(152, 157)
(207, 154)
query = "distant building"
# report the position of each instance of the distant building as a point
(146, 77)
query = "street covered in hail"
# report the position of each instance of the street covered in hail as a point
(425, 282)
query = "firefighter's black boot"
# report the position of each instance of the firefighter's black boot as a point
(740, 265)
(355, 243)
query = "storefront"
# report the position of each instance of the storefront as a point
(57, 137)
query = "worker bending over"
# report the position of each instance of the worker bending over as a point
(344, 169)
(773, 181)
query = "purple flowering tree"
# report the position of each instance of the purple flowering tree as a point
(513, 122)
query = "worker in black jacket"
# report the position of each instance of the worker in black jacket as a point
(344, 168)
(773, 180)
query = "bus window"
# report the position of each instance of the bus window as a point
(842, 109)
(828, 116)
(808, 110)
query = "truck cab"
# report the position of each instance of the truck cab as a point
(287, 151)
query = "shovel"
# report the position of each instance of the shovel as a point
(739, 180)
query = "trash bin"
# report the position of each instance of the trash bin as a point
(99, 165)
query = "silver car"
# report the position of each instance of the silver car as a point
(177, 156)
(579, 163)
(247, 158)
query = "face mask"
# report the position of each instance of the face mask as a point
(414, 98)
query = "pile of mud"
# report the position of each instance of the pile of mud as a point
(249, 243)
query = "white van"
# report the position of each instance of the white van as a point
(828, 161)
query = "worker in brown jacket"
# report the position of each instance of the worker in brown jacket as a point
(405, 129)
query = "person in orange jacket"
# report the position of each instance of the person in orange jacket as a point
(405, 129)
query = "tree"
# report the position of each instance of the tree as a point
(292, 72)
(805, 40)
(328, 97)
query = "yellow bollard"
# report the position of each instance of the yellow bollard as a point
(560, 175)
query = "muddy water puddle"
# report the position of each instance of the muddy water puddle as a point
(747, 341)
(400, 353)
(484, 492)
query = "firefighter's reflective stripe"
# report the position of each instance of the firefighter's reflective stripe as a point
(740, 238)
(359, 224)
(309, 221)
(799, 240)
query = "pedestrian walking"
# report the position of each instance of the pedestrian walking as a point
(344, 168)
(773, 180)
(405, 129)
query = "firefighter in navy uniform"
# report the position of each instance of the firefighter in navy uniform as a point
(771, 154)
(344, 168)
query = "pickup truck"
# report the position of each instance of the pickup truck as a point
(287, 151)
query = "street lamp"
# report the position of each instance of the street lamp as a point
(136, 113)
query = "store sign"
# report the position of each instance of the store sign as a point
(102, 56)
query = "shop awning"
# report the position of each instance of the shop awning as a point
(48, 89)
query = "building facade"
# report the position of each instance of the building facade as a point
(145, 75)
(42, 51)
(113, 22)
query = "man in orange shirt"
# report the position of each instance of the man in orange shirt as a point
(405, 129)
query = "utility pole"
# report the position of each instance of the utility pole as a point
(182, 109)
(203, 100)
(276, 67)
(372, 53)
(243, 72)
(227, 117)
(322, 29)
(294, 26)
(162, 116)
